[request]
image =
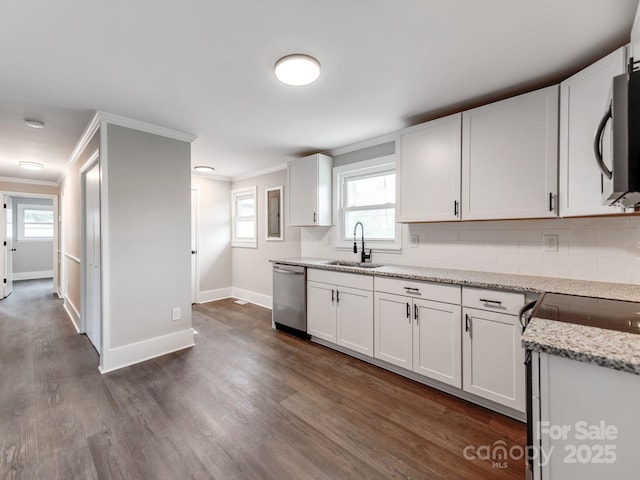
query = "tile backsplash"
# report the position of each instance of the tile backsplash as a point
(604, 249)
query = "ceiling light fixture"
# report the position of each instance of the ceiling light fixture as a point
(31, 165)
(29, 122)
(204, 169)
(297, 70)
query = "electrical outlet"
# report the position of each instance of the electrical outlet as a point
(175, 314)
(550, 243)
(415, 241)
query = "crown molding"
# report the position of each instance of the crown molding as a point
(86, 137)
(259, 173)
(114, 119)
(28, 181)
(372, 142)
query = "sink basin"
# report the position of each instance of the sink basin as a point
(343, 263)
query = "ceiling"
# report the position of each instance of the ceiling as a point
(205, 67)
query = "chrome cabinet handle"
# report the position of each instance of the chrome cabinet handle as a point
(412, 290)
(337, 296)
(551, 201)
(408, 311)
(333, 295)
(315, 217)
(467, 324)
(455, 208)
(415, 311)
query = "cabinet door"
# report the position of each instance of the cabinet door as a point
(493, 359)
(583, 100)
(355, 319)
(510, 158)
(428, 171)
(303, 191)
(437, 341)
(393, 329)
(321, 311)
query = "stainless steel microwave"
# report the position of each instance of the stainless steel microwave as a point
(621, 182)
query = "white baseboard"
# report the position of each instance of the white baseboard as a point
(32, 275)
(213, 295)
(259, 299)
(115, 358)
(73, 313)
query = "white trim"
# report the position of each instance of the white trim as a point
(259, 173)
(195, 244)
(73, 313)
(116, 358)
(20, 224)
(242, 242)
(372, 142)
(114, 119)
(71, 257)
(259, 299)
(32, 275)
(354, 169)
(28, 181)
(214, 295)
(105, 249)
(86, 137)
(90, 162)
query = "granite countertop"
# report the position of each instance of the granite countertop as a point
(607, 348)
(500, 281)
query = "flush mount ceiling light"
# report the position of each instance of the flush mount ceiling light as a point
(204, 169)
(297, 70)
(29, 122)
(31, 165)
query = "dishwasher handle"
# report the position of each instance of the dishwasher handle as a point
(288, 272)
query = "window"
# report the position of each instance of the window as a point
(243, 204)
(366, 192)
(35, 222)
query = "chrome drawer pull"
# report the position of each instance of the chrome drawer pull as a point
(486, 300)
(412, 290)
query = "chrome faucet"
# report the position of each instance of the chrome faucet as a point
(364, 257)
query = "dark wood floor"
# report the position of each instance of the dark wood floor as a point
(246, 403)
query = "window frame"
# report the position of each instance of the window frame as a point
(236, 195)
(367, 168)
(21, 207)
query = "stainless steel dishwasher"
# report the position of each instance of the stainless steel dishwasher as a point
(290, 298)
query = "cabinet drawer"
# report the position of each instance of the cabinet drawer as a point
(353, 280)
(492, 300)
(425, 290)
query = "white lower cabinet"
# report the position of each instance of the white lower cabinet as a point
(419, 335)
(493, 360)
(340, 313)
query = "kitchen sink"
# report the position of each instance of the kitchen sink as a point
(343, 263)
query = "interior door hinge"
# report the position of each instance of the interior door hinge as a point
(5, 280)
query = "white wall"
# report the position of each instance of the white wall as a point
(599, 249)
(214, 244)
(252, 272)
(32, 259)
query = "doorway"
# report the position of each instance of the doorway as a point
(29, 235)
(91, 271)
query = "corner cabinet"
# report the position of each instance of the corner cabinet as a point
(583, 101)
(309, 197)
(340, 309)
(417, 327)
(510, 158)
(428, 171)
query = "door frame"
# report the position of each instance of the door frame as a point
(195, 244)
(88, 165)
(56, 227)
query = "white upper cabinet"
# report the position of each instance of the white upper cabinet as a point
(583, 101)
(510, 158)
(309, 196)
(428, 171)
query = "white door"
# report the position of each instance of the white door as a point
(8, 249)
(428, 171)
(393, 329)
(493, 360)
(93, 306)
(321, 311)
(354, 315)
(437, 341)
(194, 246)
(510, 158)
